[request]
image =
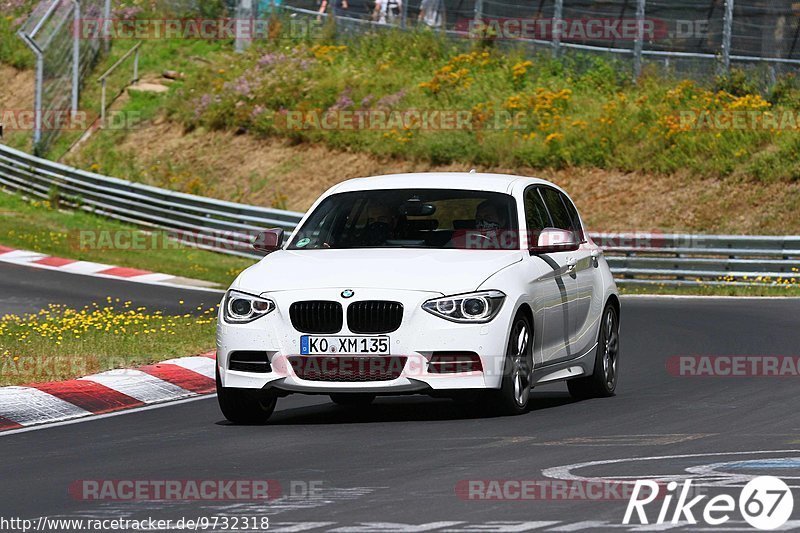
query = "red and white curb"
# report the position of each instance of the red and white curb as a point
(88, 268)
(106, 392)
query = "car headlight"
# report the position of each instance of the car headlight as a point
(241, 308)
(475, 307)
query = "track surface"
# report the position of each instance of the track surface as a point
(401, 459)
(27, 290)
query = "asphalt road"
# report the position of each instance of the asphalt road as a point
(27, 290)
(400, 460)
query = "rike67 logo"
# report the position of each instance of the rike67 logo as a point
(765, 503)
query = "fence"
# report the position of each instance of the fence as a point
(63, 59)
(227, 227)
(103, 79)
(689, 37)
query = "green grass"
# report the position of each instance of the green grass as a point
(62, 343)
(13, 50)
(522, 110)
(35, 226)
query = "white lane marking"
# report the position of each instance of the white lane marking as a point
(153, 278)
(394, 527)
(88, 268)
(106, 415)
(297, 527)
(84, 267)
(502, 527)
(139, 385)
(21, 256)
(566, 472)
(201, 365)
(28, 406)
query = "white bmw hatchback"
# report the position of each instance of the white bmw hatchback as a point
(447, 284)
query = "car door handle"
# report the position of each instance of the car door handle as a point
(571, 262)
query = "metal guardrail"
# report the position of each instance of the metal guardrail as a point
(207, 223)
(228, 227)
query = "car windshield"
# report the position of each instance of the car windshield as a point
(411, 218)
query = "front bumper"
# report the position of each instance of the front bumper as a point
(419, 336)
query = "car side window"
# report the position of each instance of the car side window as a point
(536, 217)
(573, 214)
(558, 211)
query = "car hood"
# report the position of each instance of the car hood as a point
(444, 271)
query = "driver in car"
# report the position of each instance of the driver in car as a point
(489, 216)
(490, 221)
(381, 224)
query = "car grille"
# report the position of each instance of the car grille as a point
(318, 317)
(370, 317)
(344, 368)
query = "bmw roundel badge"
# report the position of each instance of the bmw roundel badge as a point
(347, 293)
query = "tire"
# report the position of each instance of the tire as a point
(352, 399)
(245, 406)
(515, 390)
(603, 381)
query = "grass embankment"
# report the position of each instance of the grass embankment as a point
(81, 235)
(62, 343)
(13, 51)
(578, 111)
(513, 110)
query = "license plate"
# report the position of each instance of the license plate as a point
(314, 345)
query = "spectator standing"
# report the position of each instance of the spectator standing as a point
(388, 11)
(340, 7)
(430, 13)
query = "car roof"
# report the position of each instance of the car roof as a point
(473, 181)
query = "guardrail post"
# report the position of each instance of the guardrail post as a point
(727, 28)
(135, 67)
(107, 26)
(244, 13)
(558, 16)
(103, 103)
(37, 124)
(404, 16)
(639, 42)
(478, 11)
(37, 97)
(76, 55)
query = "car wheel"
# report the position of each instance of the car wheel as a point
(245, 406)
(353, 399)
(515, 390)
(603, 381)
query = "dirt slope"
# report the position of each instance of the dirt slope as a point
(254, 171)
(16, 88)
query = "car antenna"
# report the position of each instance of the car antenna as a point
(472, 171)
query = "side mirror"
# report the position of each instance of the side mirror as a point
(268, 241)
(552, 240)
